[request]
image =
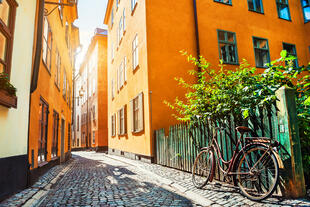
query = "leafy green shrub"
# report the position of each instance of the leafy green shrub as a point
(220, 93)
(6, 85)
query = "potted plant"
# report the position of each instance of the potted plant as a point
(7, 92)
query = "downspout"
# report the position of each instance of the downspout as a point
(196, 32)
(35, 73)
(37, 58)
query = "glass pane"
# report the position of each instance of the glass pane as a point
(232, 54)
(261, 57)
(3, 44)
(289, 48)
(305, 3)
(251, 4)
(221, 35)
(4, 11)
(224, 55)
(258, 6)
(262, 44)
(284, 12)
(307, 13)
(230, 37)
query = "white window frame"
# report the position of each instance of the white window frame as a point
(135, 53)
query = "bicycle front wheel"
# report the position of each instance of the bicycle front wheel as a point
(258, 173)
(202, 168)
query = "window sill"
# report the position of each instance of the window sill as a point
(7, 100)
(289, 20)
(228, 63)
(228, 4)
(49, 71)
(136, 68)
(138, 132)
(258, 12)
(134, 9)
(42, 164)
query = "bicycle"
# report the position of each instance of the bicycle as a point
(254, 168)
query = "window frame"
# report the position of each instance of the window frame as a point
(230, 43)
(268, 52)
(303, 10)
(288, 9)
(43, 132)
(48, 43)
(113, 125)
(137, 113)
(56, 119)
(8, 32)
(222, 2)
(135, 53)
(133, 5)
(295, 52)
(254, 5)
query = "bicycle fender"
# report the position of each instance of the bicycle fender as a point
(280, 162)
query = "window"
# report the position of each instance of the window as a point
(121, 75)
(64, 86)
(61, 12)
(94, 112)
(256, 5)
(94, 137)
(7, 22)
(83, 138)
(112, 88)
(124, 20)
(43, 123)
(224, 1)
(125, 68)
(306, 9)
(291, 50)
(133, 4)
(78, 122)
(113, 131)
(227, 47)
(135, 53)
(117, 4)
(122, 121)
(55, 134)
(120, 30)
(261, 50)
(283, 9)
(137, 123)
(58, 69)
(47, 45)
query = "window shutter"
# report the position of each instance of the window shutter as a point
(141, 112)
(132, 116)
(125, 68)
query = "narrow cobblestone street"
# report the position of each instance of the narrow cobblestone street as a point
(96, 179)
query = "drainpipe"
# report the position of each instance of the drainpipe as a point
(196, 31)
(35, 73)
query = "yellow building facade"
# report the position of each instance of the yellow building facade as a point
(256, 30)
(51, 100)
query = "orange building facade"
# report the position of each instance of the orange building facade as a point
(51, 102)
(91, 130)
(144, 41)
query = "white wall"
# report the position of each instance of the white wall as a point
(14, 122)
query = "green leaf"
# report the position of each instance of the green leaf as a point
(283, 54)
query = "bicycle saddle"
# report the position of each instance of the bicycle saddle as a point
(243, 129)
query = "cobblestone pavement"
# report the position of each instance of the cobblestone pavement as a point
(218, 193)
(96, 179)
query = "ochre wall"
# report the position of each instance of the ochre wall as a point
(102, 88)
(137, 81)
(48, 90)
(14, 122)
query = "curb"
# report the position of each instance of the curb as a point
(167, 183)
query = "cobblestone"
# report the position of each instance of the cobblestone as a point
(95, 179)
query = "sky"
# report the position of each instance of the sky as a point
(91, 15)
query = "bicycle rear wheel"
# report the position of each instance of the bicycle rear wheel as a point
(259, 173)
(202, 168)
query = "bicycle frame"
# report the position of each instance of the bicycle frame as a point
(231, 162)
